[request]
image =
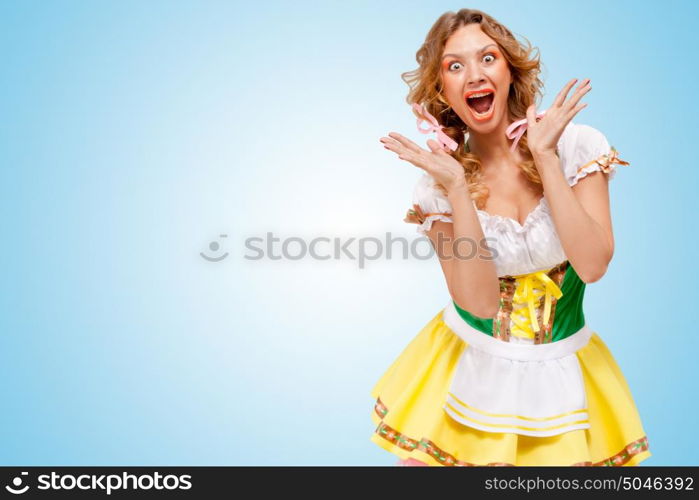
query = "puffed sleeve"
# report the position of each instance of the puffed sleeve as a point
(429, 204)
(583, 150)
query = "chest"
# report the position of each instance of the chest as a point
(512, 196)
(523, 248)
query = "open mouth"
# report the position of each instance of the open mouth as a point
(481, 103)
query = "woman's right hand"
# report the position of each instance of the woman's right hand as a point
(443, 167)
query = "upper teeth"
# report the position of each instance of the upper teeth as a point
(479, 94)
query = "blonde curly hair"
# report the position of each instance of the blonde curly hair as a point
(426, 88)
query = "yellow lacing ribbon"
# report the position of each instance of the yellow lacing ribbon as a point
(527, 297)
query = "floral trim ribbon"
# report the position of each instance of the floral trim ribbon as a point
(430, 448)
(606, 161)
(415, 215)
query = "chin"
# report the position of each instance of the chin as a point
(485, 127)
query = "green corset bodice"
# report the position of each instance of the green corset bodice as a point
(524, 297)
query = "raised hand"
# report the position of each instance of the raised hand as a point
(437, 162)
(543, 135)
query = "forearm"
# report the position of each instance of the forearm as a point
(584, 241)
(473, 272)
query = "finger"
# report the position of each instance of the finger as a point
(563, 93)
(531, 115)
(583, 89)
(435, 146)
(575, 111)
(389, 140)
(392, 145)
(405, 142)
(413, 158)
(398, 147)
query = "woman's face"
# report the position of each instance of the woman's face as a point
(472, 64)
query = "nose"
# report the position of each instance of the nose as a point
(475, 76)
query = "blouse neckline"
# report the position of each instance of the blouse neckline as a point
(515, 222)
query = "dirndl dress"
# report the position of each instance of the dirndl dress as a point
(533, 386)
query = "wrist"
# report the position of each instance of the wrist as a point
(543, 154)
(457, 190)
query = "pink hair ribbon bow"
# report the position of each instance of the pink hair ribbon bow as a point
(516, 129)
(446, 141)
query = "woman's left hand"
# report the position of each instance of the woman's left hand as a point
(543, 135)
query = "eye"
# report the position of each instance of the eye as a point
(451, 65)
(492, 56)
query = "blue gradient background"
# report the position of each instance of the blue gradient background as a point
(133, 134)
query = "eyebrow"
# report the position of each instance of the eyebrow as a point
(482, 50)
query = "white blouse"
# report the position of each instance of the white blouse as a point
(534, 246)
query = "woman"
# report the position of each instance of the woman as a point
(508, 373)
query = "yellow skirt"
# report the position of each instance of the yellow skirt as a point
(411, 421)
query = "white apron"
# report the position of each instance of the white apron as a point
(517, 387)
